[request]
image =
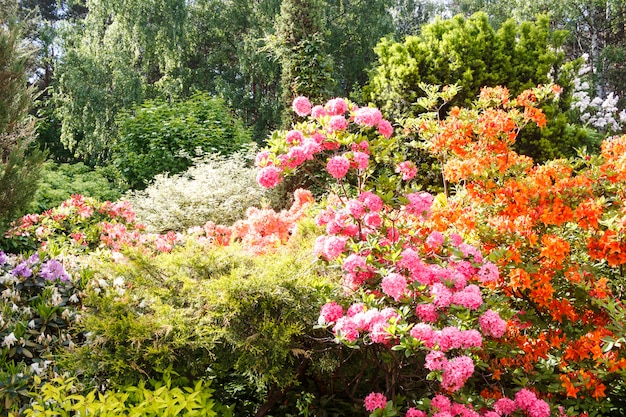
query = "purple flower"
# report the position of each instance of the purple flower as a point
(22, 269)
(3, 258)
(53, 270)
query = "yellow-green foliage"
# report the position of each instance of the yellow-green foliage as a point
(203, 311)
(60, 398)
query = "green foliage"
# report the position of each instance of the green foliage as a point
(215, 188)
(38, 317)
(60, 181)
(162, 136)
(163, 399)
(19, 170)
(203, 310)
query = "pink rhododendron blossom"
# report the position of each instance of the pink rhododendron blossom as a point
(435, 360)
(329, 247)
(367, 116)
(456, 239)
(470, 297)
(269, 177)
(361, 159)
(337, 123)
(294, 137)
(456, 372)
(441, 403)
(424, 333)
(354, 263)
(331, 312)
(301, 105)
(488, 273)
(414, 412)
(524, 399)
(311, 147)
(346, 328)
(318, 111)
(374, 401)
(336, 107)
(371, 201)
(262, 159)
(338, 166)
(373, 220)
(427, 313)
(394, 285)
(419, 203)
(491, 414)
(471, 338)
(356, 208)
(539, 408)
(379, 333)
(355, 309)
(435, 239)
(471, 251)
(442, 295)
(407, 169)
(491, 324)
(505, 406)
(385, 128)
(296, 156)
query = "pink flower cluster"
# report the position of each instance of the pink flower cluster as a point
(374, 401)
(359, 320)
(327, 125)
(419, 204)
(447, 338)
(407, 169)
(491, 324)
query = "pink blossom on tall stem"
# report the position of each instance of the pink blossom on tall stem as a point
(338, 166)
(331, 312)
(419, 203)
(301, 105)
(456, 372)
(371, 201)
(491, 324)
(488, 272)
(318, 112)
(361, 160)
(394, 285)
(337, 123)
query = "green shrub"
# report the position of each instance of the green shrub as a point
(59, 398)
(60, 181)
(164, 136)
(218, 189)
(205, 311)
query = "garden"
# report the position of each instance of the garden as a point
(448, 239)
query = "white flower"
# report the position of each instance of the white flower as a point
(9, 340)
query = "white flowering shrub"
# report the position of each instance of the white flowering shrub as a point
(218, 189)
(600, 113)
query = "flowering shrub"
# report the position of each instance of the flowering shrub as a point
(39, 311)
(215, 189)
(490, 332)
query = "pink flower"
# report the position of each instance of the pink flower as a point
(505, 406)
(385, 128)
(355, 309)
(294, 137)
(346, 328)
(373, 220)
(524, 399)
(435, 239)
(374, 401)
(336, 107)
(296, 156)
(488, 273)
(371, 201)
(435, 360)
(269, 177)
(427, 313)
(491, 414)
(331, 312)
(301, 105)
(356, 208)
(470, 297)
(354, 263)
(424, 333)
(471, 338)
(419, 203)
(491, 324)
(407, 169)
(367, 116)
(317, 112)
(329, 247)
(361, 159)
(394, 285)
(441, 403)
(539, 408)
(456, 372)
(262, 159)
(442, 295)
(337, 123)
(338, 166)
(414, 412)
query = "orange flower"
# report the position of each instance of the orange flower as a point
(554, 248)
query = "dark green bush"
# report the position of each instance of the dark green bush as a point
(162, 136)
